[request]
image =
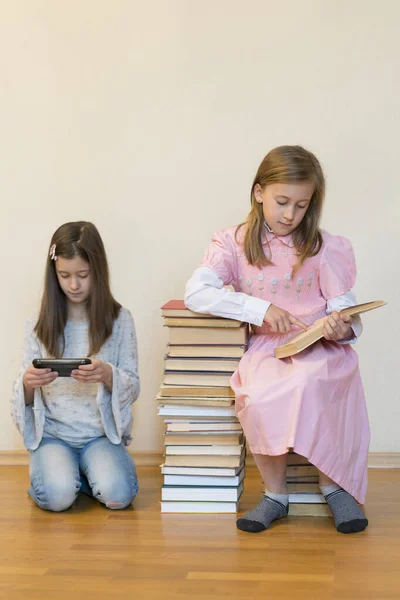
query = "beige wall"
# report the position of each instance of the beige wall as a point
(150, 118)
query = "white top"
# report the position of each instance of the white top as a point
(71, 411)
(205, 293)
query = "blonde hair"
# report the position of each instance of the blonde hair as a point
(286, 164)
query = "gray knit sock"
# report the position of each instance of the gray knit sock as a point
(347, 515)
(267, 510)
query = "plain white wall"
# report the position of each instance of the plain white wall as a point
(150, 119)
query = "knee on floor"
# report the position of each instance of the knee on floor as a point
(116, 493)
(56, 496)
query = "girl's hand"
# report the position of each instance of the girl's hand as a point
(35, 378)
(338, 327)
(281, 321)
(97, 372)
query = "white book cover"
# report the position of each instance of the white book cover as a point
(201, 494)
(216, 379)
(307, 498)
(204, 435)
(205, 364)
(204, 460)
(196, 411)
(199, 507)
(204, 471)
(221, 450)
(203, 480)
(203, 426)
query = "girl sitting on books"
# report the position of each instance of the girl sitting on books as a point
(76, 428)
(286, 274)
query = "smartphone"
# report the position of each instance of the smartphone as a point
(63, 366)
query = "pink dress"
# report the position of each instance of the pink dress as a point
(312, 402)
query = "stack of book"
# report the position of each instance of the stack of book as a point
(305, 497)
(205, 451)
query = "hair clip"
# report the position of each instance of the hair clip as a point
(52, 253)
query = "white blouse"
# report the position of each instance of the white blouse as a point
(205, 293)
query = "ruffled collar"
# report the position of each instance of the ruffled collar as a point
(270, 235)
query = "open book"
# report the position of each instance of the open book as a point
(314, 333)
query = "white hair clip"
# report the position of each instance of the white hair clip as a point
(52, 254)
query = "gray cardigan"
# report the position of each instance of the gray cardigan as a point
(120, 351)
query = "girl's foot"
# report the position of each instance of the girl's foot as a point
(260, 518)
(347, 515)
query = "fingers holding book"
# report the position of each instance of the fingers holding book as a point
(320, 329)
(337, 327)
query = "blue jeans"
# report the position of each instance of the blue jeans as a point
(100, 469)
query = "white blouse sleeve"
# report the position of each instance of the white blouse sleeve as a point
(205, 293)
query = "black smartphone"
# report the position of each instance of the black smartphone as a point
(63, 366)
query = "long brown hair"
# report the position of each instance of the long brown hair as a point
(286, 164)
(79, 238)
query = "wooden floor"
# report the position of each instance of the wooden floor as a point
(92, 553)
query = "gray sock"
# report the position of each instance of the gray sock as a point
(282, 498)
(347, 515)
(267, 510)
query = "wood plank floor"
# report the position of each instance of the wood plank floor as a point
(92, 553)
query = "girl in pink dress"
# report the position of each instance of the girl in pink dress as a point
(286, 273)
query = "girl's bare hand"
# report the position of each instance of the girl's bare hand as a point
(281, 321)
(338, 327)
(35, 378)
(97, 372)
